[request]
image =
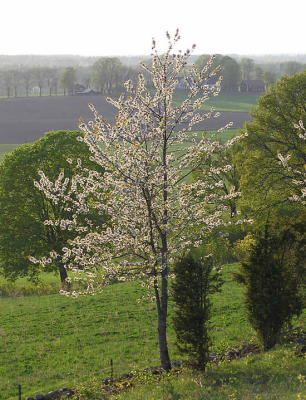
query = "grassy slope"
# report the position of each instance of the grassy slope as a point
(51, 341)
(275, 375)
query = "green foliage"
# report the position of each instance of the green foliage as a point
(230, 70)
(228, 176)
(243, 247)
(195, 280)
(107, 74)
(269, 78)
(218, 245)
(271, 290)
(247, 66)
(68, 80)
(264, 183)
(24, 208)
(6, 148)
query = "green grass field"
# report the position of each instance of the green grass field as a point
(50, 341)
(224, 102)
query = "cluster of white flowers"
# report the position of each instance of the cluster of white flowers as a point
(147, 156)
(297, 176)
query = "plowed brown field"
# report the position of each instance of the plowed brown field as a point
(25, 120)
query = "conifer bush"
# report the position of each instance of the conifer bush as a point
(271, 293)
(195, 279)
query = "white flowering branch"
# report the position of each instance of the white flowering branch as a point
(298, 176)
(147, 155)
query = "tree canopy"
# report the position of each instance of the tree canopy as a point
(106, 74)
(24, 208)
(230, 70)
(265, 183)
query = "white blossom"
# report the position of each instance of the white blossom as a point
(297, 176)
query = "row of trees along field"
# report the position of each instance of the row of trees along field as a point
(149, 192)
(107, 74)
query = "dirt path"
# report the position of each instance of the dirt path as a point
(25, 120)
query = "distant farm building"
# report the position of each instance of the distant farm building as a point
(82, 90)
(252, 86)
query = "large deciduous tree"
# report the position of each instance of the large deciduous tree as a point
(296, 175)
(265, 183)
(247, 67)
(106, 74)
(147, 152)
(230, 70)
(24, 208)
(68, 80)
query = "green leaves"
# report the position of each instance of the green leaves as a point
(24, 208)
(265, 184)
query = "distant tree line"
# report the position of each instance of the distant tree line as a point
(106, 74)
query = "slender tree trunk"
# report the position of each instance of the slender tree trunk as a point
(63, 273)
(161, 304)
(162, 339)
(162, 307)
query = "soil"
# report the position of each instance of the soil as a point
(25, 120)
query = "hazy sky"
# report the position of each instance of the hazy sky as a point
(115, 27)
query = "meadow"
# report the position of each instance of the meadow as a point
(224, 102)
(50, 341)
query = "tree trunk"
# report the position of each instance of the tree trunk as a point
(162, 339)
(63, 273)
(233, 210)
(162, 306)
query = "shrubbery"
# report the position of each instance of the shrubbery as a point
(271, 290)
(195, 279)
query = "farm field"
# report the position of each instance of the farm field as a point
(225, 135)
(50, 341)
(225, 102)
(25, 120)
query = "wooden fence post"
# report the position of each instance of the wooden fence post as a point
(112, 368)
